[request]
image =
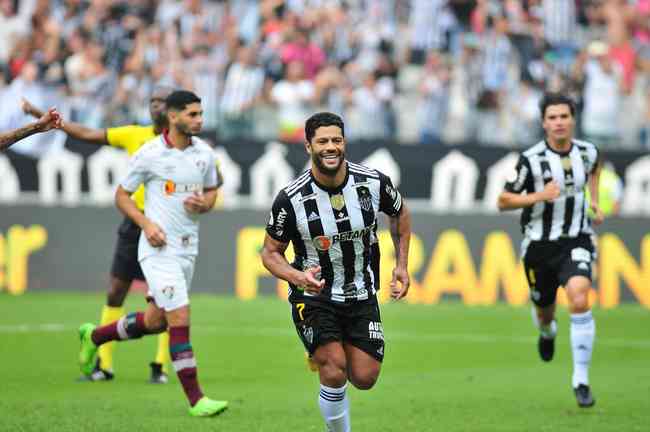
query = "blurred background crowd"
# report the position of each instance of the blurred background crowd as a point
(419, 72)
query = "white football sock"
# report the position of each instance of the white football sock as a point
(583, 333)
(547, 331)
(335, 407)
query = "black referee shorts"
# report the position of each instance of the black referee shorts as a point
(549, 264)
(125, 258)
(358, 324)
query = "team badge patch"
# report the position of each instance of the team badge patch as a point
(168, 292)
(201, 165)
(566, 163)
(308, 334)
(365, 200)
(322, 243)
(337, 201)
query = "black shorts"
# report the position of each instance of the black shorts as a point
(549, 264)
(125, 259)
(358, 324)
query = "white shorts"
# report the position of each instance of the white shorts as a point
(169, 279)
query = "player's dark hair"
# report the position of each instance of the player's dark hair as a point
(322, 119)
(556, 99)
(179, 99)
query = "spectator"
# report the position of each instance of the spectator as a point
(294, 97)
(371, 108)
(242, 92)
(603, 80)
(14, 26)
(434, 92)
(301, 49)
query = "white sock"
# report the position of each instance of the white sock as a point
(335, 407)
(583, 332)
(547, 331)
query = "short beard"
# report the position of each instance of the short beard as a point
(331, 172)
(184, 129)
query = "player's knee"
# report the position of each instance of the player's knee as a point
(364, 380)
(154, 324)
(579, 302)
(332, 372)
(578, 295)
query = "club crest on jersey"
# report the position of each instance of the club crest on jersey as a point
(201, 165)
(337, 201)
(365, 200)
(566, 163)
(322, 243)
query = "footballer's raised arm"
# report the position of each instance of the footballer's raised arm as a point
(75, 130)
(48, 120)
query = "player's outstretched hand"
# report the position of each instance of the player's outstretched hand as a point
(196, 203)
(30, 109)
(50, 120)
(155, 235)
(598, 216)
(400, 275)
(310, 283)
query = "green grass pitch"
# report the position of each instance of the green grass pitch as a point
(447, 368)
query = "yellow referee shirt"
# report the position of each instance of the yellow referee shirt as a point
(131, 138)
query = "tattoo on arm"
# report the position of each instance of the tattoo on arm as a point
(9, 138)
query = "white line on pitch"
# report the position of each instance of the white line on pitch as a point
(289, 332)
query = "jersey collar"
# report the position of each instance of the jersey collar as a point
(168, 143)
(548, 146)
(330, 189)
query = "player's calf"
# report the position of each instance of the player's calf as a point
(184, 362)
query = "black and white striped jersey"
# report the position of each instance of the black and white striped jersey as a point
(566, 216)
(334, 228)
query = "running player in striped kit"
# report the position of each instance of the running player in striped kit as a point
(329, 213)
(549, 185)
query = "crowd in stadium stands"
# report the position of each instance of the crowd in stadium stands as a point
(433, 72)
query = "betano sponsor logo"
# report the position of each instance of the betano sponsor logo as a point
(444, 266)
